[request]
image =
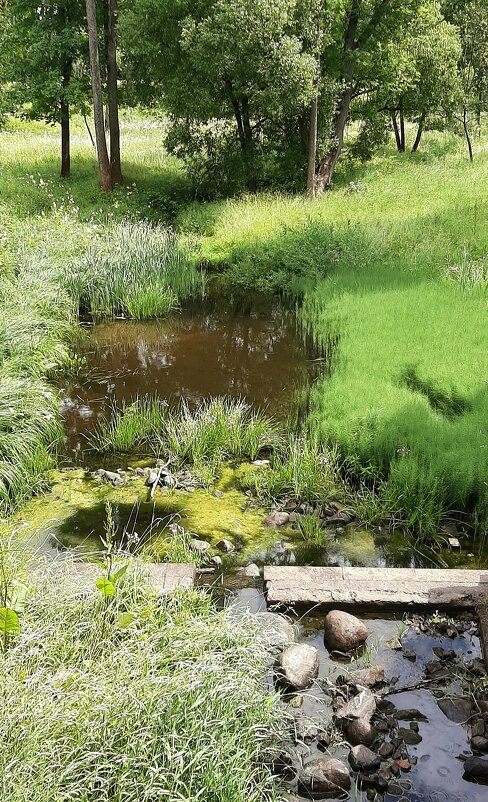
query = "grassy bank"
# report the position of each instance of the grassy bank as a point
(393, 266)
(65, 248)
(133, 698)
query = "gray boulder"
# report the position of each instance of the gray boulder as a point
(298, 666)
(361, 706)
(367, 677)
(324, 776)
(344, 632)
(476, 768)
(278, 631)
(363, 759)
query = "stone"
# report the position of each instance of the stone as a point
(276, 519)
(395, 790)
(216, 560)
(479, 743)
(323, 740)
(251, 570)
(478, 727)
(344, 632)
(476, 768)
(414, 725)
(226, 546)
(340, 518)
(360, 731)
(368, 677)
(403, 764)
(325, 775)
(409, 736)
(201, 546)
(278, 632)
(218, 493)
(260, 463)
(409, 714)
(298, 666)
(386, 749)
(296, 701)
(363, 759)
(361, 706)
(457, 710)
(409, 655)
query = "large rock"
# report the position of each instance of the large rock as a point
(476, 768)
(276, 519)
(361, 706)
(226, 546)
(298, 666)
(201, 546)
(277, 630)
(367, 677)
(252, 570)
(360, 731)
(343, 632)
(457, 710)
(326, 775)
(363, 759)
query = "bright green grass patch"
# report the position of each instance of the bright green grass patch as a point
(159, 709)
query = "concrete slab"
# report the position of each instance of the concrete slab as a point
(375, 588)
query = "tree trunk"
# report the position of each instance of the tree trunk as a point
(110, 9)
(403, 143)
(64, 119)
(419, 133)
(328, 163)
(102, 152)
(466, 133)
(394, 123)
(244, 134)
(312, 147)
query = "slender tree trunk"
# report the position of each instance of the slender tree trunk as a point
(466, 133)
(102, 152)
(394, 123)
(110, 8)
(244, 133)
(64, 119)
(65, 141)
(312, 147)
(328, 163)
(252, 183)
(420, 130)
(403, 143)
(89, 131)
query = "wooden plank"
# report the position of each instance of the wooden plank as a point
(163, 577)
(375, 587)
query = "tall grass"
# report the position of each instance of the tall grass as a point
(134, 269)
(171, 705)
(204, 436)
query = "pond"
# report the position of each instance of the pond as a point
(246, 348)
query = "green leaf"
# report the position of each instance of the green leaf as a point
(125, 619)
(18, 596)
(118, 574)
(9, 621)
(105, 587)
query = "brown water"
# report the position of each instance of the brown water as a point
(252, 350)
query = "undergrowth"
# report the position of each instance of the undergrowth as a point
(133, 698)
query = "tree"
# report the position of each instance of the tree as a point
(102, 152)
(45, 52)
(110, 31)
(216, 61)
(360, 30)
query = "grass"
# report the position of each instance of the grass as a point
(205, 436)
(66, 247)
(396, 275)
(135, 699)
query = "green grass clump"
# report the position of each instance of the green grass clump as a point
(302, 469)
(204, 436)
(134, 269)
(134, 698)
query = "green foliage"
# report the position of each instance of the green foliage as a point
(168, 701)
(134, 269)
(205, 436)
